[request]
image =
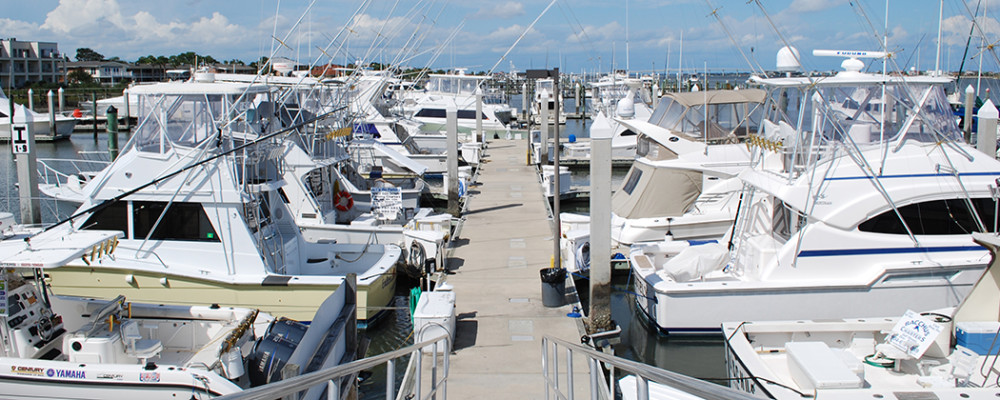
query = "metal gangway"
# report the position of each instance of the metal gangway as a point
(559, 378)
(302, 386)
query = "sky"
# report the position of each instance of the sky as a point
(575, 35)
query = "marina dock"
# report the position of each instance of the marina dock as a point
(494, 269)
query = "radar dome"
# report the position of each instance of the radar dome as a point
(788, 59)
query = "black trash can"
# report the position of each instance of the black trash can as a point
(553, 286)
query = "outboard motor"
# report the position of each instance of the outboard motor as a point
(271, 352)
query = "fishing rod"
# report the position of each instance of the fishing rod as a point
(108, 202)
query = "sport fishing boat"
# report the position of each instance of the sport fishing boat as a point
(935, 354)
(860, 199)
(457, 90)
(59, 347)
(197, 192)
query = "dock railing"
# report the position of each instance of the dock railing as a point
(559, 379)
(291, 387)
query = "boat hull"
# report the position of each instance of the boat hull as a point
(281, 296)
(64, 129)
(702, 306)
(41, 379)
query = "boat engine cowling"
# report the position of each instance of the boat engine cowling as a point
(271, 352)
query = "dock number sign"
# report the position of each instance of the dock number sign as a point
(19, 139)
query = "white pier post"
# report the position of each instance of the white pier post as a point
(52, 113)
(543, 119)
(451, 126)
(31, 99)
(62, 100)
(525, 105)
(127, 111)
(987, 129)
(970, 95)
(22, 143)
(600, 230)
(479, 118)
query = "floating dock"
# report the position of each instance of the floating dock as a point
(494, 270)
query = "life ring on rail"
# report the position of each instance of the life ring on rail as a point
(343, 200)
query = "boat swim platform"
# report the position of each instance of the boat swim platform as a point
(494, 270)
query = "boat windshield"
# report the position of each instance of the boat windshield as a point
(863, 113)
(184, 120)
(453, 84)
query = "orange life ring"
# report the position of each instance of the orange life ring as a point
(343, 200)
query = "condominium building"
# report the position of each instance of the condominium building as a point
(22, 62)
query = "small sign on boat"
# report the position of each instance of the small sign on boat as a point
(913, 334)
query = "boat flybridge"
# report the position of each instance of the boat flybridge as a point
(860, 199)
(198, 192)
(456, 90)
(59, 347)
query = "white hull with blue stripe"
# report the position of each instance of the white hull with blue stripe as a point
(860, 201)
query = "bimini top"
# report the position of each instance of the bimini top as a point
(689, 99)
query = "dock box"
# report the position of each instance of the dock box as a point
(434, 315)
(978, 336)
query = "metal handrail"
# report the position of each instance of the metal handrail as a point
(288, 387)
(643, 372)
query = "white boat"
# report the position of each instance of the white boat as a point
(615, 97)
(683, 182)
(58, 347)
(40, 124)
(331, 201)
(545, 96)
(455, 90)
(838, 216)
(942, 354)
(197, 191)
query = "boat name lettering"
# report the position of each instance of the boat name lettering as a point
(388, 281)
(149, 377)
(116, 377)
(66, 373)
(27, 370)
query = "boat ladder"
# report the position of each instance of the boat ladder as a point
(557, 380)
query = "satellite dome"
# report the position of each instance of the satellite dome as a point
(788, 59)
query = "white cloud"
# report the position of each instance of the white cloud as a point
(814, 5)
(506, 10)
(18, 29)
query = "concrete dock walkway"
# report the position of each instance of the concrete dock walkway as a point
(506, 239)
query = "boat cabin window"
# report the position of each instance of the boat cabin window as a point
(182, 221)
(786, 221)
(633, 179)
(936, 217)
(442, 113)
(113, 217)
